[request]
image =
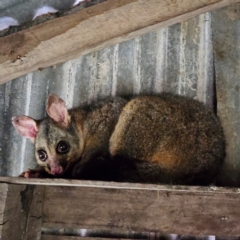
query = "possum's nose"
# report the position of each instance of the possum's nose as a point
(56, 170)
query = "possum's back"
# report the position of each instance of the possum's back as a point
(178, 134)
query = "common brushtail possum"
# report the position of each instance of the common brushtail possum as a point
(155, 139)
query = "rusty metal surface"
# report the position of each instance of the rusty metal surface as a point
(177, 59)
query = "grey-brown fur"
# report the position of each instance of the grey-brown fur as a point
(166, 138)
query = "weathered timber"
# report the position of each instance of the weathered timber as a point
(20, 212)
(34, 218)
(226, 53)
(90, 29)
(116, 185)
(166, 211)
(121, 207)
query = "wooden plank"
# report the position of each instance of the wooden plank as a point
(165, 211)
(20, 212)
(91, 29)
(34, 222)
(126, 207)
(226, 41)
(11, 211)
(118, 185)
(3, 197)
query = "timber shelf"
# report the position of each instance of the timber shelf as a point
(29, 205)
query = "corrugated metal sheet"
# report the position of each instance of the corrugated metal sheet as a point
(226, 37)
(177, 59)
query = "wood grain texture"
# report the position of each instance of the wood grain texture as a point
(116, 185)
(121, 207)
(20, 212)
(12, 211)
(90, 29)
(3, 197)
(34, 218)
(166, 211)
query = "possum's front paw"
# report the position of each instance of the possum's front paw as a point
(93, 169)
(77, 171)
(31, 173)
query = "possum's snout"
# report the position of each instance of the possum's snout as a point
(56, 170)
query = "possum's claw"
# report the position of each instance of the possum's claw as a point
(31, 173)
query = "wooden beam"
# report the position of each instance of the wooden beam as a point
(166, 211)
(34, 214)
(20, 212)
(114, 185)
(121, 207)
(91, 29)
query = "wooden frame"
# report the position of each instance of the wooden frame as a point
(29, 204)
(91, 29)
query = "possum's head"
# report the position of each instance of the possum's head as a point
(58, 141)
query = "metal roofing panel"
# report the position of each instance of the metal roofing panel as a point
(226, 37)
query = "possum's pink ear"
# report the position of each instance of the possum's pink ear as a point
(56, 109)
(25, 126)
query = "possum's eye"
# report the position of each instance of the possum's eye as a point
(62, 147)
(42, 155)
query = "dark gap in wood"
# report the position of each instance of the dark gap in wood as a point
(49, 16)
(103, 234)
(70, 232)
